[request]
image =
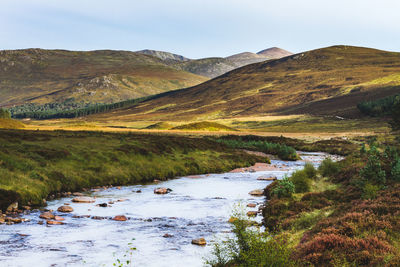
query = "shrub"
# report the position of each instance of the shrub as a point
(284, 188)
(301, 181)
(395, 173)
(310, 170)
(370, 191)
(372, 172)
(4, 114)
(250, 248)
(328, 168)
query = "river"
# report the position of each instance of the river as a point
(198, 206)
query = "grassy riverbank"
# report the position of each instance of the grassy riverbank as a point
(346, 214)
(36, 164)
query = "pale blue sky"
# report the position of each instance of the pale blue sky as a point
(199, 28)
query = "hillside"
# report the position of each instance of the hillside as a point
(216, 66)
(105, 76)
(327, 81)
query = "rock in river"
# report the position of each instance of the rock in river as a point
(47, 215)
(55, 222)
(65, 209)
(199, 241)
(120, 218)
(162, 190)
(261, 178)
(83, 200)
(251, 205)
(252, 213)
(257, 192)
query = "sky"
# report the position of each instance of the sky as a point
(199, 28)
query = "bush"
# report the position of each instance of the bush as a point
(373, 172)
(4, 114)
(284, 188)
(395, 173)
(250, 248)
(328, 168)
(310, 170)
(301, 181)
(370, 191)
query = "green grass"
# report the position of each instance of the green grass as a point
(204, 126)
(34, 165)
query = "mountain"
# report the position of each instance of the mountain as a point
(165, 56)
(216, 66)
(327, 81)
(274, 52)
(104, 76)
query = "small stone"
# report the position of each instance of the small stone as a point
(168, 235)
(120, 218)
(138, 191)
(110, 202)
(251, 205)
(257, 192)
(55, 222)
(104, 205)
(26, 207)
(67, 204)
(58, 218)
(97, 218)
(40, 222)
(156, 181)
(118, 187)
(13, 207)
(78, 194)
(266, 178)
(122, 200)
(199, 242)
(162, 190)
(252, 213)
(65, 209)
(47, 215)
(83, 200)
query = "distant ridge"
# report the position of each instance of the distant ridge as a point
(165, 56)
(329, 81)
(274, 52)
(215, 66)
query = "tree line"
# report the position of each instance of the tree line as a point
(66, 109)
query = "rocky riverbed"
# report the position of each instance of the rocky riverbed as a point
(172, 223)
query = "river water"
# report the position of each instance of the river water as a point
(198, 206)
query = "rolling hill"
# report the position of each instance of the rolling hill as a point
(105, 76)
(327, 81)
(216, 66)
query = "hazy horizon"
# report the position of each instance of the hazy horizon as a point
(196, 30)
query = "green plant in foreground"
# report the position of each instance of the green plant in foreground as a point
(301, 181)
(127, 261)
(250, 247)
(328, 168)
(284, 188)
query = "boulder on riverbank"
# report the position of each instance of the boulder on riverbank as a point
(65, 209)
(162, 190)
(83, 200)
(199, 242)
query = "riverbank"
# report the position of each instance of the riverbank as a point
(37, 164)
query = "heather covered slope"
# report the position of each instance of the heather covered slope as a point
(327, 81)
(105, 76)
